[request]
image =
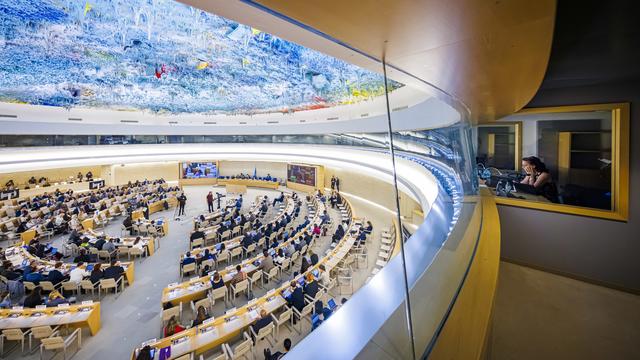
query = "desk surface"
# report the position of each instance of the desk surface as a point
(79, 315)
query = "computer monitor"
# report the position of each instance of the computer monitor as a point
(89, 267)
(315, 272)
(332, 304)
(315, 320)
(272, 252)
(286, 293)
(218, 246)
(301, 280)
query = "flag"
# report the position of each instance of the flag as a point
(255, 173)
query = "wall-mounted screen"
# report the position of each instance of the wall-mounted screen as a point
(301, 174)
(199, 170)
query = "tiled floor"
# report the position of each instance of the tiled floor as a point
(134, 316)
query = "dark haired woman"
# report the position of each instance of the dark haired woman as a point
(539, 177)
(537, 173)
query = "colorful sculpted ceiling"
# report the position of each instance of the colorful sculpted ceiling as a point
(164, 57)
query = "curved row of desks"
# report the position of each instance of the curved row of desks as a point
(214, 332)
(198, 287)
(86, 314)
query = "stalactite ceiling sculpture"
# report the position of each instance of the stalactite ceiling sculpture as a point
(163, 57)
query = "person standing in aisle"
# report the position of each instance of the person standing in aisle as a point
(182, 200)
(338, 184)
(333, 182)
(210, 201)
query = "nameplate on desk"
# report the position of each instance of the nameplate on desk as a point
(208, 321)
(40, 307)
(17, 308)
(149, 342)
(172, 285)
(209, 329)
(179, 340)
(231, 318)
(63, 305)
(230, 311)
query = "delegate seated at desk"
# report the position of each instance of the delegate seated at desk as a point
(537, 172)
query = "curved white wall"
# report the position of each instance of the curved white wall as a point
(413, 179)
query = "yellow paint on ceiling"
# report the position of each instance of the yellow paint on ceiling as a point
(492, 55)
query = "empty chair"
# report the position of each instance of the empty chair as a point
(123, 251)
(136, 252)
(219, 293)
(241, 349)
(187, 269)
(69, 286)
(48, 286)
(304, 314)
(57, 343)
(236, 252)
(254, 280)
(286, 264)
(104, 255)
(87, 286)
(196, 243)
(285, 318)
(225, 235)
(223, 256)
(236, 231)
(249, 250)
(272, 274)
(40, 332)
(107, 284)
(14, 335)
(239, 287)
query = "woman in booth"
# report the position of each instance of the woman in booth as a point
(172, 327)
(537, 172)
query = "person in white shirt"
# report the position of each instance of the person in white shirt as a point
(76, 275)
(325, 278)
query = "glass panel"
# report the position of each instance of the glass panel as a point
(567, 160)
(432, 139)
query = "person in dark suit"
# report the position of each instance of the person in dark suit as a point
(55, 276)
(278, 354)
(311, 287)
(98, 245)
(96, 273)
(182, 201)
(313, 257)
(114, 271)
(196, 235)
(264, 320)
(188, 259)
(297, 297)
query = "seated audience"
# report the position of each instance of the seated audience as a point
(34, 299)
(278, 354)
(172, 327)
(114, 271)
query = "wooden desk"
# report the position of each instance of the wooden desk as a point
(250, 183)
(27, 236)
(87, 224)
(73, 316)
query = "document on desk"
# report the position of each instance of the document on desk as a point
(253, 314)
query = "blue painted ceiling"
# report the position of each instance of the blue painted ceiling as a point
(164, 57)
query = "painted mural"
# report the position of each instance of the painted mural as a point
(164, 57)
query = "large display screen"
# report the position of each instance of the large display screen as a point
(199, 170)
(301, 174)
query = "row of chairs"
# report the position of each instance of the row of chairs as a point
(50, 339)
(104, 285)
